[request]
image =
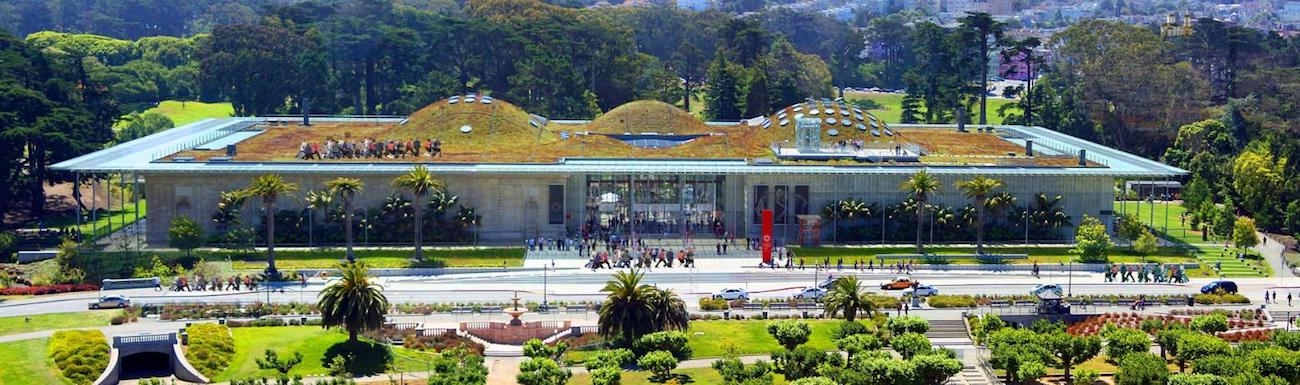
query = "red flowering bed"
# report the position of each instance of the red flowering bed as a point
(1246, 335)
(1095, 324)
(47, 289)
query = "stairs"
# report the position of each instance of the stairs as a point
(1229, 265)
(969, 375)
(947, 329)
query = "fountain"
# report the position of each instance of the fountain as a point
(515, 311)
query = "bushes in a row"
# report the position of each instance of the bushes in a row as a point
(210, 348)
(441, 342)
(950, 301)
(710, 304)
(262, 322)
(47, 289)
(1219, 299)
(81, 355)
(221, 310)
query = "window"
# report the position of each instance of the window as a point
(760, 203)
(555, 211)
(801, 200)
(780, 203)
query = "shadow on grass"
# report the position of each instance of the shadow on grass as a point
(681, 378)
(362, 358)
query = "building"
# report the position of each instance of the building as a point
(645, 169)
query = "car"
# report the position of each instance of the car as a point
(1225, 286)
(813, 293)
(1047, 287)
(731, 294)
(921, 291)
(898, 283)
(112, 301)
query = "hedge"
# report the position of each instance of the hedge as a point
(951, 301)
(210, 348)
(80, 355)
(47, 289)
(1217, 299)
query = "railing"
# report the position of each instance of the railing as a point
(435, 332)
(144, 339)
(548, 324)
(205, 138)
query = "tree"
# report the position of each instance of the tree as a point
(813, 381)
(535, 348)
(847, 296)
(668, 311)
(658, 362)
(688, 62)
(1129, 227)
(1210, 323)
(1141, 369)
(858, 343)
(1168, 340)
(1012, 348)
(803, 361)
(420, 183)
(1091, 241)
(271, 360)
(1122, 342)
(1244, 233)
(907, 324)
(346, 189)
(353, 302)
(789, 333)
(541, 371)
(316, 200)
(721, 99)
(920, 185)
(457, 366)
(1194, 346)
(1031, 371)
(935, 369)
(978, 189)
(1258, 177)
(988, 33)
(1196, 379)
(1070, 350)
(735, 372)
(184, 234)
(674, 342)
(270, 187)
(254, 66)
(626, 313)
(141, 125)
(909, 344)
(1145, 244)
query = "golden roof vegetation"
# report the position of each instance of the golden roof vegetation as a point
(502, 133)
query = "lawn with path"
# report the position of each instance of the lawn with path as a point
(702, 376)
(318, 347)
(718, 338)
(182, 113)
(105, 223)
(889, 106)
(25, 363)
(55, 321)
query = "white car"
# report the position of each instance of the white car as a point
(1043, 288)
(731, 294)
(112, 301)
(921, 291)
(813, 293)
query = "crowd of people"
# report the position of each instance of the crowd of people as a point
(232, 283)
(641, 258)
(369, 148)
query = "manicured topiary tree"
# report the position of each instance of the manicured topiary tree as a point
(184, 234)
(660, 363)
(909, 344)
(789, 333)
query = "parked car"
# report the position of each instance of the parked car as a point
(1226, 286)
(1043, 288)
(813, 293)
(898, 283)
(921, 291)
(112, 301)
(731, 294)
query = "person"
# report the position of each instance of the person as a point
(839, 263)
(1288, 299)
(718, 248)
(302, 279)
(724, 248)
(871, 265)
(1035, 269)
(800, 263)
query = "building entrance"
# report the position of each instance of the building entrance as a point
(638, 206)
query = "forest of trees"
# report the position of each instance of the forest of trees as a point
(1115, 83)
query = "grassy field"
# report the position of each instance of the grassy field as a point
(298, 259)
(317, 345)
(1164, 214)
(890, 106)
(749, 337)
(1036, 254)
(105, 224)
(182, 113)
(26, 363)
(52, 321)
(702, 376)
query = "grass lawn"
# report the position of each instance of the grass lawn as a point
(26, 364)
(318, 347)
(890, 106)
(52, 321)
(101, 226)
(1036, 254)
(748, 337)
(190, 112)
(466, 257)
(702, 376)
(1164, 214)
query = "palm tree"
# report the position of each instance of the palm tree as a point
(982, 26)
(921, 185)
(316, 200)
(978, 190)
(834, 211)
(626, 313)
(270, 187)
(420, 183)
(346, 189)
(847, 296)
(668, 309)
(353, 302)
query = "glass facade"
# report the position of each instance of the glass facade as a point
(654, 205)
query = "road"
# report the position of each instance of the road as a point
(573, 284)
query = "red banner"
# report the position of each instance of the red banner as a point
(767, 236)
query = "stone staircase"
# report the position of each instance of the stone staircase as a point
(1229, 265)
(704, 248)
(969, 375)
(947, 329)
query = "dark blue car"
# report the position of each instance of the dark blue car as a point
(1227, 287)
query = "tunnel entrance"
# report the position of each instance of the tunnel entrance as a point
(146, 365)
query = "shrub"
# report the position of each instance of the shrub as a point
(907, 324)
(1031, 371)
(789, 333)
(803, 362)
(1196, 379)
(210, 348)
(81, 355)
(950, 301)
(1217, 299)
(1210, 323)
(659, 362)
(858, 343)
(673, 342)
(1086, 376)
(709, 304)
(1122, 342)
(606, 376)
(47, 289)
(615, 359)
(884, 302)
(1141, 369)
(850, 328)
(909, 344)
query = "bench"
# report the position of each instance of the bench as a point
(753, 306)
(780, 306)
(490, 309)
(36, 256)
(1000, 303)
(576, 309)
(462, 310)
(807, 306)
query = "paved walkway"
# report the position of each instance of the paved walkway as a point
(1272, 251)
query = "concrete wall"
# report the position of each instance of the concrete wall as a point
(516, 206)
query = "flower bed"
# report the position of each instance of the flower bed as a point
(47, 289)
(1246, 335)
(207, 311)
(210, 348)
(1095, 324)
(81, 355)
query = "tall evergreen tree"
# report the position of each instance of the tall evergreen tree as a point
(720, 99)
